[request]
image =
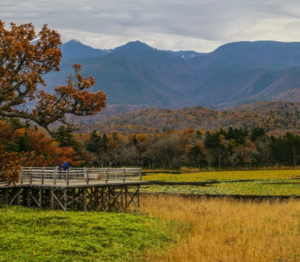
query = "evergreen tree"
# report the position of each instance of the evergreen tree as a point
(94, 145)
(134, 140)
(65, 139)
(104, 142)
(23, 143)
(11, 147)
(256, 133)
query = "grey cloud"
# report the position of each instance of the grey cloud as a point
(201, 25)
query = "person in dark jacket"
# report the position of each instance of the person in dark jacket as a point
(60, 167)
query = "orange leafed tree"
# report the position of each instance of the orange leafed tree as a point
(22, 67)
(9, 167)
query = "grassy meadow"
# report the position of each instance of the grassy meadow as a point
(170, 227)
(41, 235)
(229, 230)
(258, 182)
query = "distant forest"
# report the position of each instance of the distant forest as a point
(225, 148)
(232, 148)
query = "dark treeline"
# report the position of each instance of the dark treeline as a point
(232, 148)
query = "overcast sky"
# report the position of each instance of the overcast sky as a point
(200, 25)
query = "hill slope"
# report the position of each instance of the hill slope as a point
(275, 117)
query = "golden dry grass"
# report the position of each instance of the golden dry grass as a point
(229, 230)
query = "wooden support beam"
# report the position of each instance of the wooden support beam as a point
(18, 199)
(58, 201)
(73, 196)
(40, 197)
(15, 196)
(126, 202)
(84, 200)
(131, 196)
(103, 198)
(32, 196)
(52, 199)
(65, 199)
(138, 197)
(122, 202)
(28, 197)
(6, 196)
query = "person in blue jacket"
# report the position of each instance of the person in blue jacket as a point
(65, 166)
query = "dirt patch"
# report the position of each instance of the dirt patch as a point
(206, 183)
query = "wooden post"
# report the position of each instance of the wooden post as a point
(28, 197)
(21, 175)
(126, 191)
(30, 176)
(67, 178)
(124, 175)
(18, 199)
(140, 174)
(106, 175)
(43, 176)
(122, 206)
(65, 199)
(52, 199)
(103, 198)
(73, 197)
(40, 197)
(138, 197)
(6, 196)
(87, 176)
(55, 177)
(84, 199)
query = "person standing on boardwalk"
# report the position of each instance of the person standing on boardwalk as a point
(60, 169)
(65, 166)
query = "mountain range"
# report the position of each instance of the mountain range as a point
(136, 74)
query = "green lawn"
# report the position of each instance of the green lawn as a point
(40, 235)
(262, 183)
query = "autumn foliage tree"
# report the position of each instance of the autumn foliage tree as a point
(22, 67)
(9, 167)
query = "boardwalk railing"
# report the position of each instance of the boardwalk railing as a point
(48, 175)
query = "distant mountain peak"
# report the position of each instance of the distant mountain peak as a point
(75, 48)
(73, 41)
(131, 47)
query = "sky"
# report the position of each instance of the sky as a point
(199, 25)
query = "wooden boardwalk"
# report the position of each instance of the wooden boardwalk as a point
(80, 189)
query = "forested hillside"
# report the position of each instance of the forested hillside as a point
(274, 117)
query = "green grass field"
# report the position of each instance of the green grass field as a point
(261, 183)
(40, 235)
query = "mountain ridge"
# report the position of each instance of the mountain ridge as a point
(235, 73)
